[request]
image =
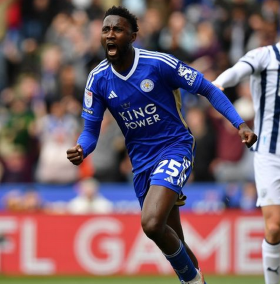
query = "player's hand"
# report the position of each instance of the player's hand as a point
(75, 155)
(218, 86)
(248, 137)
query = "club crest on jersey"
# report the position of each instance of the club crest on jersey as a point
(88, 98)
(147, 85)
(126, 105)
(187, 73)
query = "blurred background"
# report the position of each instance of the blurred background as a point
(47, 49)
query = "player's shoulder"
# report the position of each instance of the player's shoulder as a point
(100, 71)
(258, 52)
(101, 68)
(157, 58)
(258, 57)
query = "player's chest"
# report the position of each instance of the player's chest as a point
(133, 93)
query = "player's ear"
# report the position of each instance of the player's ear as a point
(133, 37)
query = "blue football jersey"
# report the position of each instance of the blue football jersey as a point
(146, 103)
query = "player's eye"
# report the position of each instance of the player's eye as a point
(105, 29)
(117, 29)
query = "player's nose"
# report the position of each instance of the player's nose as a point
(111, 33)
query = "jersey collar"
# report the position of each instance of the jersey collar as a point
(136, 60)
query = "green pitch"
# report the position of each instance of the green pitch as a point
(126, 280)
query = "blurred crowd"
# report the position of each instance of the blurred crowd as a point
(48, 47)
(87, 200)
(88, 197)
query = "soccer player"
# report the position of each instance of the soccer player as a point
(141, 90)
(263, 66)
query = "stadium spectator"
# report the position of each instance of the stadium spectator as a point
(151, 25)
(36, 17)
(239, 30)
(32, 202)
(16, 136)
(126, 167)
(138, 87)
(50, 63)
(94, 52)
(67, 85)
(206, 40)
(205, 137)
(56, 131)
(27, 201)
(89, 200)
(249, 196)
(178, 37)
(95, 10)
(227, 137)
(10, 43)
(237, 166)
(12, 201)
(109, 149)
(16, 167)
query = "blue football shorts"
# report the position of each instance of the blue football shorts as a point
(172, 172)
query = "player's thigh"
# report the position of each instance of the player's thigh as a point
(166, 182)
(267, 177)
(158, 203)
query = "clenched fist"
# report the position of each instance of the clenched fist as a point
(248, 137)
(75, 155)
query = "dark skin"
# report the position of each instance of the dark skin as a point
(117, 33)
(117, 38)
(160, 216)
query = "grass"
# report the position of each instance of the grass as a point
(211, 279)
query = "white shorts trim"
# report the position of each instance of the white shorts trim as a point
(267, 176)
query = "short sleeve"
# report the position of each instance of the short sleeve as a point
(257, 58)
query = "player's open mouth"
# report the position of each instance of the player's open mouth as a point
(112, 49)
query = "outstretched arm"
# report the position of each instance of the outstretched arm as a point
(223, 105)
(86, 142)
(233, 75)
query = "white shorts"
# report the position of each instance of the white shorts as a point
(267, 176)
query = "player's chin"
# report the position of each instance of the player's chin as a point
(112, 58)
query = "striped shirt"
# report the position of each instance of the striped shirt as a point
(263, 66)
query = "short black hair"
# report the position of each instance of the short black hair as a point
(123, 12)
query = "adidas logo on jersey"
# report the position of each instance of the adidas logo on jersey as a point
(112, 95)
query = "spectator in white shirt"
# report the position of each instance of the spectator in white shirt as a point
(89, 200)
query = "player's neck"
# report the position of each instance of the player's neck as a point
(126, 62)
